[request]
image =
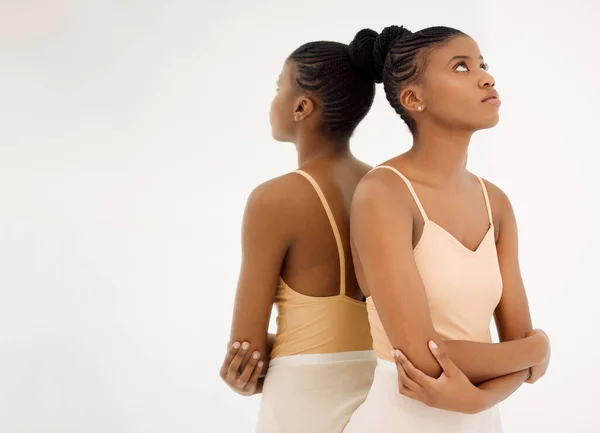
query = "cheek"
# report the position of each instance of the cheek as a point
(454, 99)
(279, 123)
(275, 110)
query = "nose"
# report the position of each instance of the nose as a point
(487, 81)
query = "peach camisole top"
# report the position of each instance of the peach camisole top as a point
(311, 324)
(463, 286)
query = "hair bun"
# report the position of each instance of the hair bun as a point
(361, 54)
(382, 46)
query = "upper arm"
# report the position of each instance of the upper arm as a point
(512, 316)
(265, 240)
(381, 231)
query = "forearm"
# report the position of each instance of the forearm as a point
(485, 361)
(499, 389)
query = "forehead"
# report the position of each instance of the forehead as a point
(457, 46)
(287, 72)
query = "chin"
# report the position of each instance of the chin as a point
(281, 134)
(276, 137)
(488, 123)
(494, 122)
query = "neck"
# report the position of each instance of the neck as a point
(441, 153)
(313, 147)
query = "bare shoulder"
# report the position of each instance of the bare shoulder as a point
(280, 197)
(499, 201)
(381, 187)
(502, 210)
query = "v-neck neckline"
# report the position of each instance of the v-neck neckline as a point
(455, 240)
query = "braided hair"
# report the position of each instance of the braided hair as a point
(342, 77)
(400, 57)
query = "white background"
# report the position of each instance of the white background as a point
(131, 133)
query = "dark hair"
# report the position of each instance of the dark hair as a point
(400, 57)
(342, 77)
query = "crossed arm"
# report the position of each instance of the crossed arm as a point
(381, 232)
(265, 239)
(382, 239)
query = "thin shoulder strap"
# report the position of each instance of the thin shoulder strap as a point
(334, 228)
(410, 188)
(487, 200)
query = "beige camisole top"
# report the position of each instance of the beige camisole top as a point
(310, 324)
(463, 286)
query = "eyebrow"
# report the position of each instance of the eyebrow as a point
(463, 58)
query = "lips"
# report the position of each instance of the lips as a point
(492, 97)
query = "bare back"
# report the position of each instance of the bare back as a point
(287, 239)
(312, 265)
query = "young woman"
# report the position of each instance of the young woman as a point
(296, 254)
(435, 251)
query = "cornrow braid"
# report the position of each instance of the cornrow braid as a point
(401, 56)
(342, 77)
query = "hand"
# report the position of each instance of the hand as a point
(538, 371)
(451, 391)
(248, 381)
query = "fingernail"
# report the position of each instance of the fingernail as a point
(400, 354)
(260, 364)
(432, 345)
(255, 355)
(393, 353)
(236, 345)
(245, 345)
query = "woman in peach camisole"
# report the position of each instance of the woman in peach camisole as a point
(296, 255)
(435, 252)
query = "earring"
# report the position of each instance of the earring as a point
(420, 108)
(297, 117)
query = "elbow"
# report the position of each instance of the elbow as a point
(430, 367)
(419, 356)
(423, 361)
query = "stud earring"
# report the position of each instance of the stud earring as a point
(420, 108)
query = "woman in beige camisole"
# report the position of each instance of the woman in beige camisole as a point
(296, 255)
(435, 252)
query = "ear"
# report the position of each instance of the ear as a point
(304, 106)
(411, 100)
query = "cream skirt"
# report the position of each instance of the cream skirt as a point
(386, 410)
(314, 393)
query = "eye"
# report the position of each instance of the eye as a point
(461, 67)
(485, 66)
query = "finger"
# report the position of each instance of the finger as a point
(234, 365)
(233, 349)
(403, 377)
(253, 380)
(259, 385)
(246, 359)
(532, 379)
(442, 358)
(414, 373)
(249, 369)
(407, 392)
(537, 372)
(528, 380)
